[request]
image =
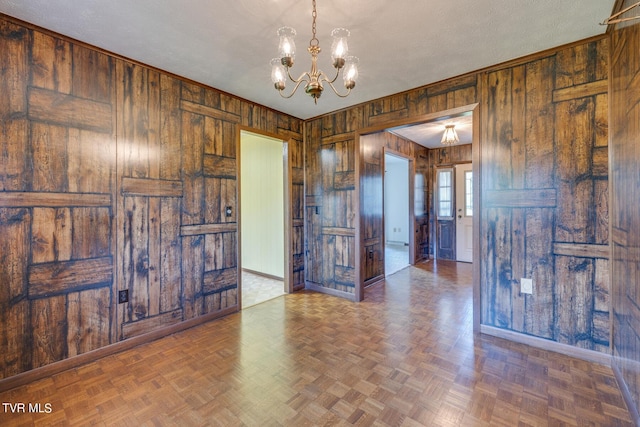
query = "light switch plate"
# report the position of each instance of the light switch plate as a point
(526, 286)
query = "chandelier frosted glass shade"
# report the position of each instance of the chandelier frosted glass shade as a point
(287, 45)
(339, 47)
(350, 73)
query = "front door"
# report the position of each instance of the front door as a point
(464, 213)
(445, 222)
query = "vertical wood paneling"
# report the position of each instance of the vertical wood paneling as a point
(87, 311)
(14, 45)
(47, 156)
(519, 103)
(48, 325)
(160, 132)
(14, 324)
(539, 173)
(149, 141)
(625, 199)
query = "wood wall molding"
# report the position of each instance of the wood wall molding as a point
(581, 250)
(208, 111)
(28, 199)
(63, 109)
(339, 231)
(151, 187)
(581, 91)
(520, 198)
(55, 278)
(219, 167)
(201, 229)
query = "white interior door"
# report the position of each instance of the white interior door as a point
(464, 213)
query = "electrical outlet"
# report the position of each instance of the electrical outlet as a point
(123, 296)
(526, 286)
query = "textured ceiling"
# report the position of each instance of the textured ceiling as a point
(430, 134)
(401, 44)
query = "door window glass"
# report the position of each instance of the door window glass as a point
(468, 193)
(445, 193)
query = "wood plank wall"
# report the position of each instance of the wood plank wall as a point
(115, 176)
(543, 153)
(331, 155)
(625, 203)
(330, 202)
(545, 196)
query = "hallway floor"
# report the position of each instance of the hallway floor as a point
(396, 257)
(257, 289)
(405, 356)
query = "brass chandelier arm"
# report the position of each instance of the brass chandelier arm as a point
(336, 90)
(299, 79)
(614, 19)
(324, 77)
(298, 82)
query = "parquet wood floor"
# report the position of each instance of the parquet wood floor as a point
(405, 356)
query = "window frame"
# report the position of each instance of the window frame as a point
(438, 198)
(468, 194)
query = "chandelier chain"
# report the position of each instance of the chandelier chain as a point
(314, 40)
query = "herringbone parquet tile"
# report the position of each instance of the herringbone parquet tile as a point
(405, 356)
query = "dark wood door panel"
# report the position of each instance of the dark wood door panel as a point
(446, 239)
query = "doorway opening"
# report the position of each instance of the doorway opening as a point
(262, 196)
(424, 221)
(396, 213)
(453, 200)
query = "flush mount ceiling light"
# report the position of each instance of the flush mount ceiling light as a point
(313, 80)
(450, 136)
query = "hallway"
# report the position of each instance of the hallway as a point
(405, 356)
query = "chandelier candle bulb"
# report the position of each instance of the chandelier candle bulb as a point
(350, 73)
(339, 48)
(287, 46)
(278, 73)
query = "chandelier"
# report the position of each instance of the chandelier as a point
(450, 136)
(313, 80)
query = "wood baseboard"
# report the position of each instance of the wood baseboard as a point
(261, 274)
(568, 350)
(334, 292)
(374, 280)
(626, 394)
(91, 356)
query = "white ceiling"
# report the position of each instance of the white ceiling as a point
(430, 134)
(227, 44)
